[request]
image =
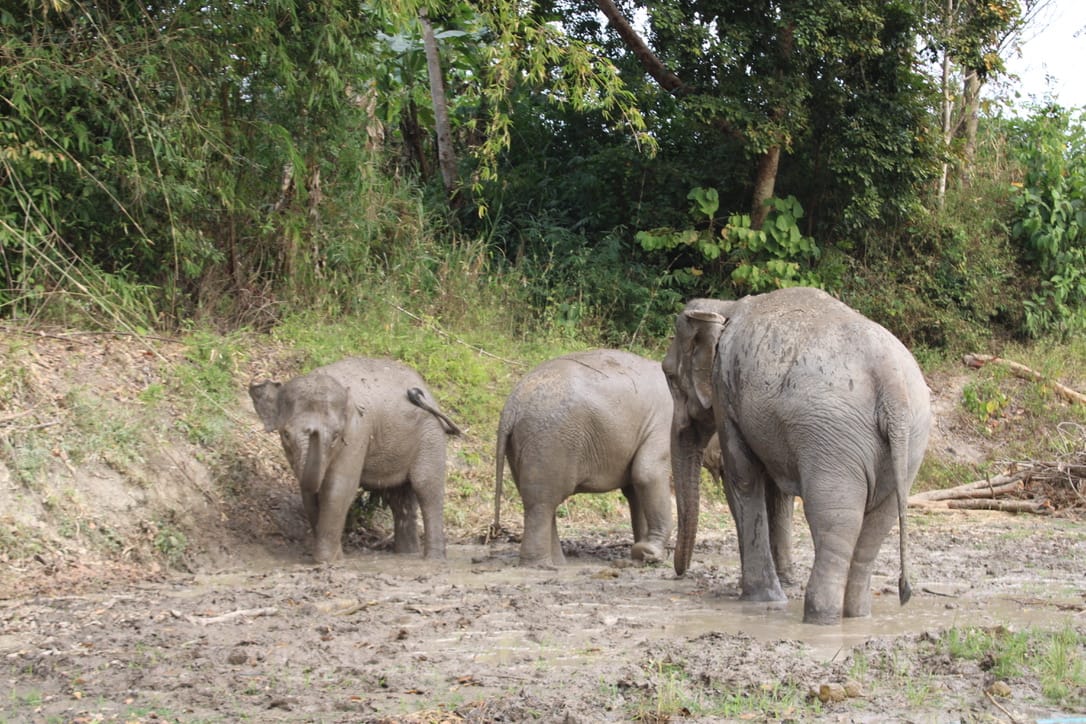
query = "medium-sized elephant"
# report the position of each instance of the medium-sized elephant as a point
(369, 423)
(780, 508)
(811, 397)
(588, 422)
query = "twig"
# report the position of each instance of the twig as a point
(240, 613)
(445, 334)
(1012, 717)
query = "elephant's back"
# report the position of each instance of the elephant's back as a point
(606, 378)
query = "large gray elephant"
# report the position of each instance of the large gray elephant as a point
(588, 422)
(810, 397)
(369, 423)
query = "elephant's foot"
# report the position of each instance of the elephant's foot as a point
(327, 554)
(817, 611)
(786, 578)
(647, 552)
(545, 564)
(763, 595)
(857, 605)
(821, 618)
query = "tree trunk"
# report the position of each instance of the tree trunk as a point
(971, 111)
(764, 182)
(446, 156)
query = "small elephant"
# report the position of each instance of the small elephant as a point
(368, 422)
(588, 422)
(812, 398)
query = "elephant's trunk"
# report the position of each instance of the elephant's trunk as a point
(313, 471)
(686, 470)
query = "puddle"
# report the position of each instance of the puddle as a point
(888, 618)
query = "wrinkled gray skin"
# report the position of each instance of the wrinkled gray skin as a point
(779, 509)
(588, 422)
(362, 422)
(811, 397)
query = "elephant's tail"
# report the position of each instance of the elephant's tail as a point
(418, 398)
(898, 434)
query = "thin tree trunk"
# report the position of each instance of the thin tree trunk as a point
(765, 182)
(971, 109)
(446, 156)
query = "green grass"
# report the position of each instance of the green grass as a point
(1056, 658)
(674, 693)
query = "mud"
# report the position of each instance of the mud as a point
(379, 637)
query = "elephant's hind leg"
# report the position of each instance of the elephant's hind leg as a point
(540, 546)
(835, 528)
(650, 490)
(404, 507)
(877, 523)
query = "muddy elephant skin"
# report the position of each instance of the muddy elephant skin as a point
(809, 398)
(588, 422)
(367, 423)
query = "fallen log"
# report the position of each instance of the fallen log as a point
(976, 361)
(987, 488)
(1007, 506)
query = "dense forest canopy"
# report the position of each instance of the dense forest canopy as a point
(599, 161)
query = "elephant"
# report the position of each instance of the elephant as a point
(362, 422)
(588, 422)
(813, 399)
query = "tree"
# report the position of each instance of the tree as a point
(970, 39)
(752, 71)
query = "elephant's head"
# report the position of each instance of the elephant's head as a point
(688, 367)
(311, 415)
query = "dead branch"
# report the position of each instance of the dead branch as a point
(1017, 369)
(240, 613)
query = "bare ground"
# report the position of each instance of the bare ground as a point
(169, 585)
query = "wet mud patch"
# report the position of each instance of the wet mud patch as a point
(380, 637)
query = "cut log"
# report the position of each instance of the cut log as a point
(1017, 369)
(1007, 506)
(987, 488)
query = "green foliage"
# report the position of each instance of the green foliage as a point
(984, 400)
(169, 541)
(1050, 218)
(774, 256)
(208, 378)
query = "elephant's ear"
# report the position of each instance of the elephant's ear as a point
(706, 327)
(266, 403)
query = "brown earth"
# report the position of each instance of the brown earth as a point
(169, 582)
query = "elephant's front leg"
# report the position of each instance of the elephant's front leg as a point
(334, 501)
(746, 493)
(405, 513)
